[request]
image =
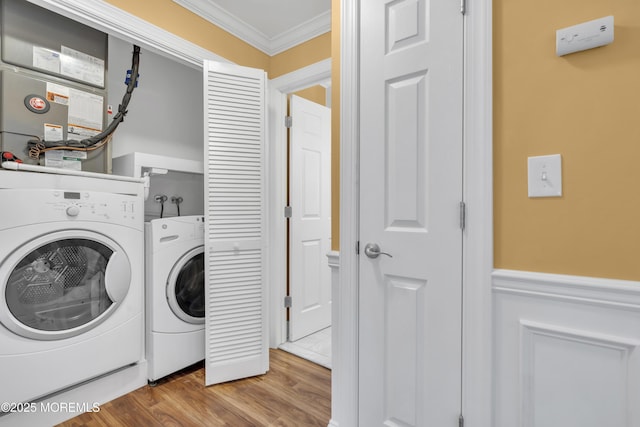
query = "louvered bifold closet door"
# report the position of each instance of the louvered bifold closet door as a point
(236, 340)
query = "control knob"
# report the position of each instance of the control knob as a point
(73, 210)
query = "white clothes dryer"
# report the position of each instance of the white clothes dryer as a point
(71, 281)
(175, 308)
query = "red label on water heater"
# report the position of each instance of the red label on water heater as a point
(36, 104)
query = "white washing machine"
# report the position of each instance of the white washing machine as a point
(71, 280)
(175, 306)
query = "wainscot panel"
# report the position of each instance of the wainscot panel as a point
(565, 351)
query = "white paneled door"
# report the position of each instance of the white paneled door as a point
(235, 289)
(410, 262)
(310, 222)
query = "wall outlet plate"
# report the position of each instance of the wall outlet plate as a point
(587, 35)
(545, 176)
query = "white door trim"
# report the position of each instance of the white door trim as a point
(478, 235)
(278, 89)
(344, 364)
(477, 374)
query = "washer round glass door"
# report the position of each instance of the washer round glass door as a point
(63, 284)
(185, 287)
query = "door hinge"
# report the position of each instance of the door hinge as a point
(288, 212)
(463, 7)
(463, 215)
(287, 301)
(358, 247)
(288, 121)
(461, 421)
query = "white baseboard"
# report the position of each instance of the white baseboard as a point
(566, 350)
(343, 337)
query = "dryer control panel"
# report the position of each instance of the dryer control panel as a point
(61, 205)
(95, 206)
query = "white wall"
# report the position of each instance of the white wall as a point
(566, 351)
(189, 186)
(165, 118)
(165, 112)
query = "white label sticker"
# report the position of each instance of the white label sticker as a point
(52, 132)
(81, 66)
(46, 59)
(85, 114)
(64, 159)
(57, 93)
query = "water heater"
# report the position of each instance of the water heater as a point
(52, 82)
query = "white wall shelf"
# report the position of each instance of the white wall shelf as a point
(133, 164)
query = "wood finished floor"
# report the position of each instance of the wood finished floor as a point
(295, 392)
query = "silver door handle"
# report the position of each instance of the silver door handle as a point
(372, 250)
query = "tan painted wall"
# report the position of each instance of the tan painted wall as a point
(317, 94)
(310, 52)
(584, 106)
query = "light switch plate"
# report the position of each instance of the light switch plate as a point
(545, 176)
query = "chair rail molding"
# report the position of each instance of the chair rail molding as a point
(579, 289)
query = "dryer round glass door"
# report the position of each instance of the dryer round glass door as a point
(63, 284)
(185, 287)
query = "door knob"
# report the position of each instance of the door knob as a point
(372, 250)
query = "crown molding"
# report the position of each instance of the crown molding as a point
(114, 21)
(301, 33)
(271, 46)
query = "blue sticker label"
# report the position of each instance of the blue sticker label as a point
(128, 79)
